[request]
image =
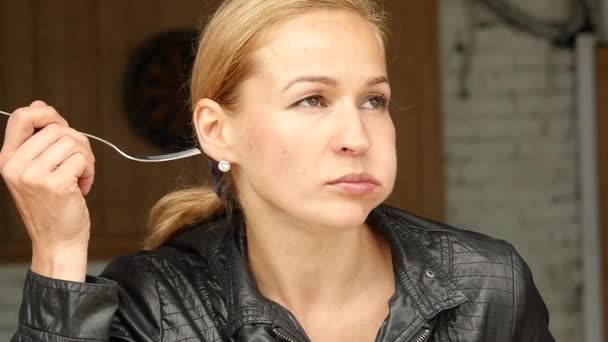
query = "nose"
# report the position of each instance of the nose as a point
(352, 136)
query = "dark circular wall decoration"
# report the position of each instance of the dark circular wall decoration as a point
(157, 96)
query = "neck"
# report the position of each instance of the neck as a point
(305, 269)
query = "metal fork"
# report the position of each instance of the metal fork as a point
(146, 159)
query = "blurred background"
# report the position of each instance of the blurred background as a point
(501, 108)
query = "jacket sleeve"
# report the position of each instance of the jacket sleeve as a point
(530, 315)
(119, 306)
(58, 311)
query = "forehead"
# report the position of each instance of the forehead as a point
(328, 42)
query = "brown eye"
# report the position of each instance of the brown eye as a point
(376, 102)
(312, 101)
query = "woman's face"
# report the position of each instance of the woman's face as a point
(315, 110)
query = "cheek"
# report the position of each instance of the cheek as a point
(270, 147)
(389, 149)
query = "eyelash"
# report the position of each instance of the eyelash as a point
(384, 102)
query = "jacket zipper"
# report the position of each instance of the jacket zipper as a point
(425, 334)
(282, 336)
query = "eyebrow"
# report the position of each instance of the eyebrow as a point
(330, 81)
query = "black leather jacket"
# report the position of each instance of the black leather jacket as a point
(451, 285)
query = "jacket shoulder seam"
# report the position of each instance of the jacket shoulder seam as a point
(428, 225)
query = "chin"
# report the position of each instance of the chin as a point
(345, 213)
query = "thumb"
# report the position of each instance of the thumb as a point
(86, 183)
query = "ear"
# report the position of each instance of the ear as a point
(209, 120)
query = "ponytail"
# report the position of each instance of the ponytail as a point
(179, 209)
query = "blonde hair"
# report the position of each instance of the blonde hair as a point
(224, 60)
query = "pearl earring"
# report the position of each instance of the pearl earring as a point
(223, 166)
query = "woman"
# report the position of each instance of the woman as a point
(294, 243)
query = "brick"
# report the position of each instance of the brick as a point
(454, 108)
(544, 102)
(493, 105)
(563, 81)
(526, 81)
(492, 38)
(452, 86)
(452, 60)
(531, 60)
(493, 61)
(461, 131)
(561, 59)
(452, 14)
(510, 129)
(487, 151)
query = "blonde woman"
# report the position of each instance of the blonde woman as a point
(290, 102)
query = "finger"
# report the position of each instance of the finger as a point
(76, 172)
(58, 153)
(49, 135)
(36, 172)
(23, 123)
(86, 183)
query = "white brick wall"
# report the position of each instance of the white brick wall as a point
(511, 148)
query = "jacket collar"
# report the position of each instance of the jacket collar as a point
(423, 287)
(419, 271)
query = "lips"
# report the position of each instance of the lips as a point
(356, 178)
(356, 184)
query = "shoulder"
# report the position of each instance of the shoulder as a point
(494, 277)
(487, 269)
(195, 252)
(193, 261)
(145, 268)
(163, 288)
(167, 267)
(464, 245)
(187, 267)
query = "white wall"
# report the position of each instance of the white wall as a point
(511, 147)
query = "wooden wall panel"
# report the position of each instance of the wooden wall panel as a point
(74, 54)
(114, 23)
(79, 64)
(137, 23)
(17, 67)
(414, 73)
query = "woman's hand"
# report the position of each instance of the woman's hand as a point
(49, 168)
